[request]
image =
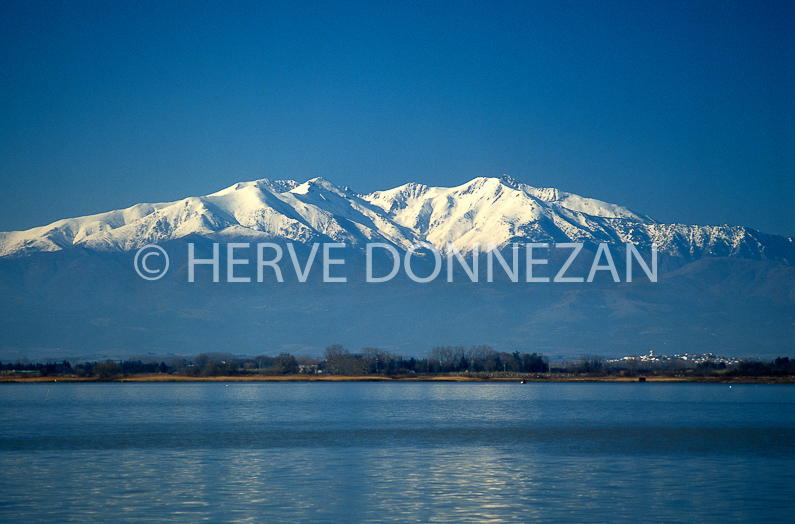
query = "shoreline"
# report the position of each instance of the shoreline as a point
(402, 378)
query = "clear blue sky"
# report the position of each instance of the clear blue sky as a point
(678, 109)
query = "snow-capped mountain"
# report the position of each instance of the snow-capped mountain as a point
(71, 288)
(483, 211)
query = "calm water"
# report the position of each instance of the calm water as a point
(405, 452)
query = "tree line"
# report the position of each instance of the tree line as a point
(337, 360)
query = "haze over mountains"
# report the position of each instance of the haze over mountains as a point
(70, 289)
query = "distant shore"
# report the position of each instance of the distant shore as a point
(158, 377)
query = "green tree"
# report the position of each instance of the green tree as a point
(285, 364)
(339, 361)
(106, 369)
(591, 364)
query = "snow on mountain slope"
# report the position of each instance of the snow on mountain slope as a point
(64, 233)
(261, 209)
(588, 206)
(693, 242)
(498, 211)
(482, 211)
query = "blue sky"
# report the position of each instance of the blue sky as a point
(680, 110)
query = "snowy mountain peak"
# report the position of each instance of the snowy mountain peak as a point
(277, 186)
(318, 184)
(509, 181)
(499, 210)
(264, 184)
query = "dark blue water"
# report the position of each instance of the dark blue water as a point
(399, 452)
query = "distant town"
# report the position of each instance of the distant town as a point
(686, 360)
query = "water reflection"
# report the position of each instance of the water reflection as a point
(395, 453)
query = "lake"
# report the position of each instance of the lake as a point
(396, 452)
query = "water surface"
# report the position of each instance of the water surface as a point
(396, 452)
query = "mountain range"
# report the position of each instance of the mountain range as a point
(499, 211)
(70, 289)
